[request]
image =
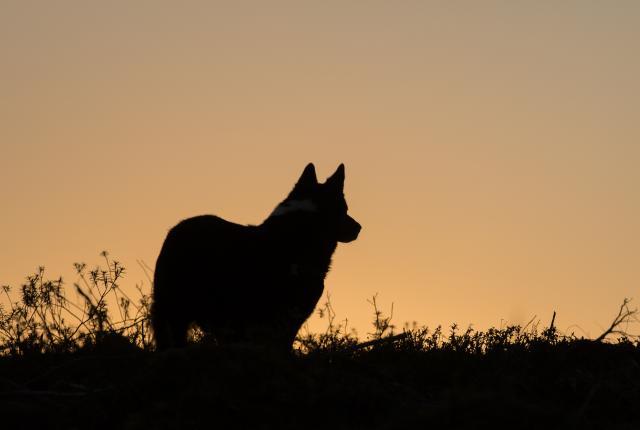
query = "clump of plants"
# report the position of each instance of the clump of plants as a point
(44, 320)
(415, 338)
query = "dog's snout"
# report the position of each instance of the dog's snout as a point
(349, 231)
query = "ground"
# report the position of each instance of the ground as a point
(573, 384)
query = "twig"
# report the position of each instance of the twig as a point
(44, 393)
(381, 341)
(624, 315)
(531, 320)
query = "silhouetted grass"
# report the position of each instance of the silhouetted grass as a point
(44, 320)
(92, 365)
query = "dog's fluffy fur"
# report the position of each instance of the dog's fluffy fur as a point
(251, 283)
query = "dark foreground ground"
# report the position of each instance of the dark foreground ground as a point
(578, 384)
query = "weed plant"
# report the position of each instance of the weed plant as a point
(90, 363)
(45, 320)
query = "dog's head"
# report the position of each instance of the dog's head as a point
(322, 205)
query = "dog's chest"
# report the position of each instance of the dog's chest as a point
(305, 271)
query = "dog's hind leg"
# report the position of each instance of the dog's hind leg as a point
(170, 329)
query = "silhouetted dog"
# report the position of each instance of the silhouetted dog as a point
(251, 283)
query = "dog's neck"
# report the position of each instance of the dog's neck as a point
(308, 251)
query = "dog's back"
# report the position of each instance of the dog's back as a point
(237, 282)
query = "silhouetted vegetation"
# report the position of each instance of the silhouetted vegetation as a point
(90, 363)
(44, 320)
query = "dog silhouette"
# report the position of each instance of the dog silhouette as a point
(251, 283)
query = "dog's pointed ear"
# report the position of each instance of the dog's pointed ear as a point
(337, 179)
(308, 178)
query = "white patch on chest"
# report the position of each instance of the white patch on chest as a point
(294, 206)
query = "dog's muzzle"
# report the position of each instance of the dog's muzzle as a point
(348, 230)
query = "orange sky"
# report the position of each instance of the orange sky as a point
(492, 148)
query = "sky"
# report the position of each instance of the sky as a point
(491, 148)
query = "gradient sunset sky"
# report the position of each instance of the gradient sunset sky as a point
(492, 147)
